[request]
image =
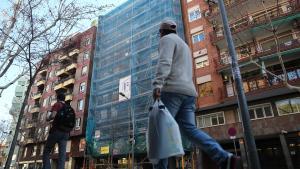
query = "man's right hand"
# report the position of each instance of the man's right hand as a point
(156, 93)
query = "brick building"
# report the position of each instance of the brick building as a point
(274, 108)
(68, 70)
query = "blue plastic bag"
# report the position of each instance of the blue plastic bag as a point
(163, 135)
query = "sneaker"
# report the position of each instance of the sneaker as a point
(232, 162)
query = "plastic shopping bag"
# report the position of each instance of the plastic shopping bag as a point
(163, 135)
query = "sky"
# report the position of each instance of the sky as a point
(8, 94)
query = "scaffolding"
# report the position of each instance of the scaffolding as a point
(127, 46)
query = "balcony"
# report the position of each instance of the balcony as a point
(245, 52)
(58, 86)
(31, 123)
(41, 82)
(69, 97)
(255, 21)
(213, 10)
(35, 109)
(29, 141)
(62, 72)
(67, 69)
(62, 57)
(43, 72)
(63, 83)
(259, 83)
(71, 67)
(67, 56)
(37, 96)
(74, 52)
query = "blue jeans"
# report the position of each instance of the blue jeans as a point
(56, 137)
(182, 108)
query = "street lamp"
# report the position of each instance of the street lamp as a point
(132, 139)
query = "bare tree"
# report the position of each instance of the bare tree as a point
(30, 31)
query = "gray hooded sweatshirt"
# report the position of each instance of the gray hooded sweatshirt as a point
(175, 67)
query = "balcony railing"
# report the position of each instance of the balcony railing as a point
(43, 72)
(256, 83)
(245, 52)
(69, 96)
(256, 19)
(37, 96)
(214, 9)
(35, 109)
(41, 81)
(64, 82)
(66, 56)
(66, 68)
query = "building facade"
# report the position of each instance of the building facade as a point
(14, 111)
(273, 105)
(68, 70)
(125, 64)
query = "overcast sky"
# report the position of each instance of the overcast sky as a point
(7, 95)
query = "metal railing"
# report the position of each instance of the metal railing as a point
(256, 19)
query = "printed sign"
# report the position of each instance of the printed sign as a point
(125, 88)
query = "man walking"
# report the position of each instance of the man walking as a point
(173, 84)
(63, 117)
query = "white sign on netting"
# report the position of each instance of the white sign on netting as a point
(125, 88)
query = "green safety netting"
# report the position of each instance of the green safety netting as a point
(126, 46)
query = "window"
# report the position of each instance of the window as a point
(194, 13)
(198, 37)
(82, 144)
(82, 87)
(50, 100)
(80, 105)
(209, 120)
(86, 42)
(205, 85)
(34, 151)
(51, 73)
(103, 114)
(56, 148)
(45, 102)
(114, 112)
(260, 111)
(288, 106)
(84, 70)
(205, 89)
(86, 55)
(68, 149)
(41, 149)
(201, 62)
(25, 152)
(53, 100)
(77, 123)
(48, 87)
(46, 131)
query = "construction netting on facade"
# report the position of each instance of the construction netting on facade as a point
(123, 68)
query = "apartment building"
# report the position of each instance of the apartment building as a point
(273, 106)
(17, 102)
(68, 70)
(121, 92)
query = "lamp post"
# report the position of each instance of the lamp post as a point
(132, 139)
(242, 101)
